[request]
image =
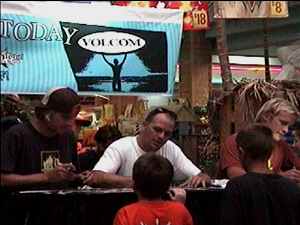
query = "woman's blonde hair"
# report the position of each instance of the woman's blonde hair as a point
(273, 107)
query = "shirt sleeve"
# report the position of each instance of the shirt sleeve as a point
(73, 152)
(121, 218)
(290, 156)
(111, 160)
(229, 154)
(189, 219)
(183, 165)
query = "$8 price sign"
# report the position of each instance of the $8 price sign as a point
(279, 9)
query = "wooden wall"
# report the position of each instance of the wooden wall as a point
(195, 68)
(120, 103)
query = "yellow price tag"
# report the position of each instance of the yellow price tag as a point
(200, 19)
(279, 9)
(270, 166)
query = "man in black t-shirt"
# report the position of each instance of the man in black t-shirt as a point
(259, 197)
(41, 153)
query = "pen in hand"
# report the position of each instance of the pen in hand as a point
(68, 166)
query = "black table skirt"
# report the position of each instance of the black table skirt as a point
(93, 207)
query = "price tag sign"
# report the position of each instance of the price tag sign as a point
(200, 19)
(279, 9)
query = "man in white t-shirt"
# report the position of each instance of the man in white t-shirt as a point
(114, 169)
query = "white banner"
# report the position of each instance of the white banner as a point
(250, 9)
(89, 47)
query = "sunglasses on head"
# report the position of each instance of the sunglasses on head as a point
(161, 110)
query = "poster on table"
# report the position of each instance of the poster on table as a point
(250, 9)
(89, 47)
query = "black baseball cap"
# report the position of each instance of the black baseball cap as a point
(61, 99)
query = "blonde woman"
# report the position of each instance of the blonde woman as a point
(277, 114)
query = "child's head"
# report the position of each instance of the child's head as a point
(256, 143)
(105, 136)
(152, 175)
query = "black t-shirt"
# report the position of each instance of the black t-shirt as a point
(261, 199)
(25, 151)
(7, 122)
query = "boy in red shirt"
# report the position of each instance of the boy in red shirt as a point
(152, 176)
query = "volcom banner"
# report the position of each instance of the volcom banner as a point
(123, 51)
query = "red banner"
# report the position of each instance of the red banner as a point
(144, 4)
(195, 12)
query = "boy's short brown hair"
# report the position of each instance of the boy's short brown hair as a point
(152, 175)
(256, 142)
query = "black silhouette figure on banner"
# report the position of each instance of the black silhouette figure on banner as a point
(116, 68)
